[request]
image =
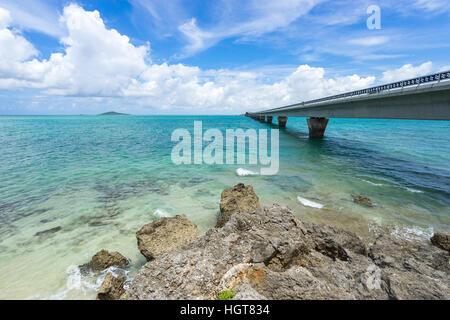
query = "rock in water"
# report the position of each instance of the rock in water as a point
(165, 235)
(441, 240)
(105, 259)
(239, 198)
(111, 288)
(362, 200)
(270, 254)
(47, 232)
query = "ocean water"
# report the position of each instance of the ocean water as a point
(98, 179)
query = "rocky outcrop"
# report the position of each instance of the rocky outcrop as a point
(364, 201)
(165, 235)
(270, 254)
(239, 198)
(441, 240)
(104, 259)
(411, 270)
(111, 288)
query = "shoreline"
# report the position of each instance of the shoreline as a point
(268, 253)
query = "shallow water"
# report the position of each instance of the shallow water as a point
(101, 178)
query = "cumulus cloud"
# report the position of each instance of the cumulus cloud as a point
(15, 65)
(407, 71)
(98, 62)
(14, 46)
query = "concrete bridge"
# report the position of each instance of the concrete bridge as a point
(422, 98)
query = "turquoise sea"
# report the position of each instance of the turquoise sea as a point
(98, 179)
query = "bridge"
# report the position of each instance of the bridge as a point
(422, 98)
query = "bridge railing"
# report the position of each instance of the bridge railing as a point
(437, 77)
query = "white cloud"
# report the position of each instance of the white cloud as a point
(433, 5)
(407, 71)
(35, 15)
(244, 19)
(197, 39)
(15, 67)
(98, 62)
(14, 46)
(369, 41)
(5, 18)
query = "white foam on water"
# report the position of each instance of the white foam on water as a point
(77, 282)
(309, 203)
(244, 172)
(414, 190)
(73, 278)
(161, 213)
(373, 183)
(412, 233)
(82, 283)
(73, 282)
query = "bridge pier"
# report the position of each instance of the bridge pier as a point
(262, 119)
(282, 121)
(317, 127)
(269, 119)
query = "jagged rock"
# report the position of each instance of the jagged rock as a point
(441, 240)
(331, 241)
(165, 235)
(362, 200)
(111, 288)
(239, 198)
(270, 254)
(411, 270)
(105, 259)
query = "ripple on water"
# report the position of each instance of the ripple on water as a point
(103, 179)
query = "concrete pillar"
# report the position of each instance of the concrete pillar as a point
(269, 119)
(262, 119)
(282, 121)
(317, 127)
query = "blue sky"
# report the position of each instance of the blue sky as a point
(207, 57)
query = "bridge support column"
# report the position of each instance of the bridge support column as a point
(269, 119)
(317, 127)
(262, 119)
(282, 121)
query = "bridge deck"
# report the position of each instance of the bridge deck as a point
(423, 98)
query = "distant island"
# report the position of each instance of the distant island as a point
(113, 113)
